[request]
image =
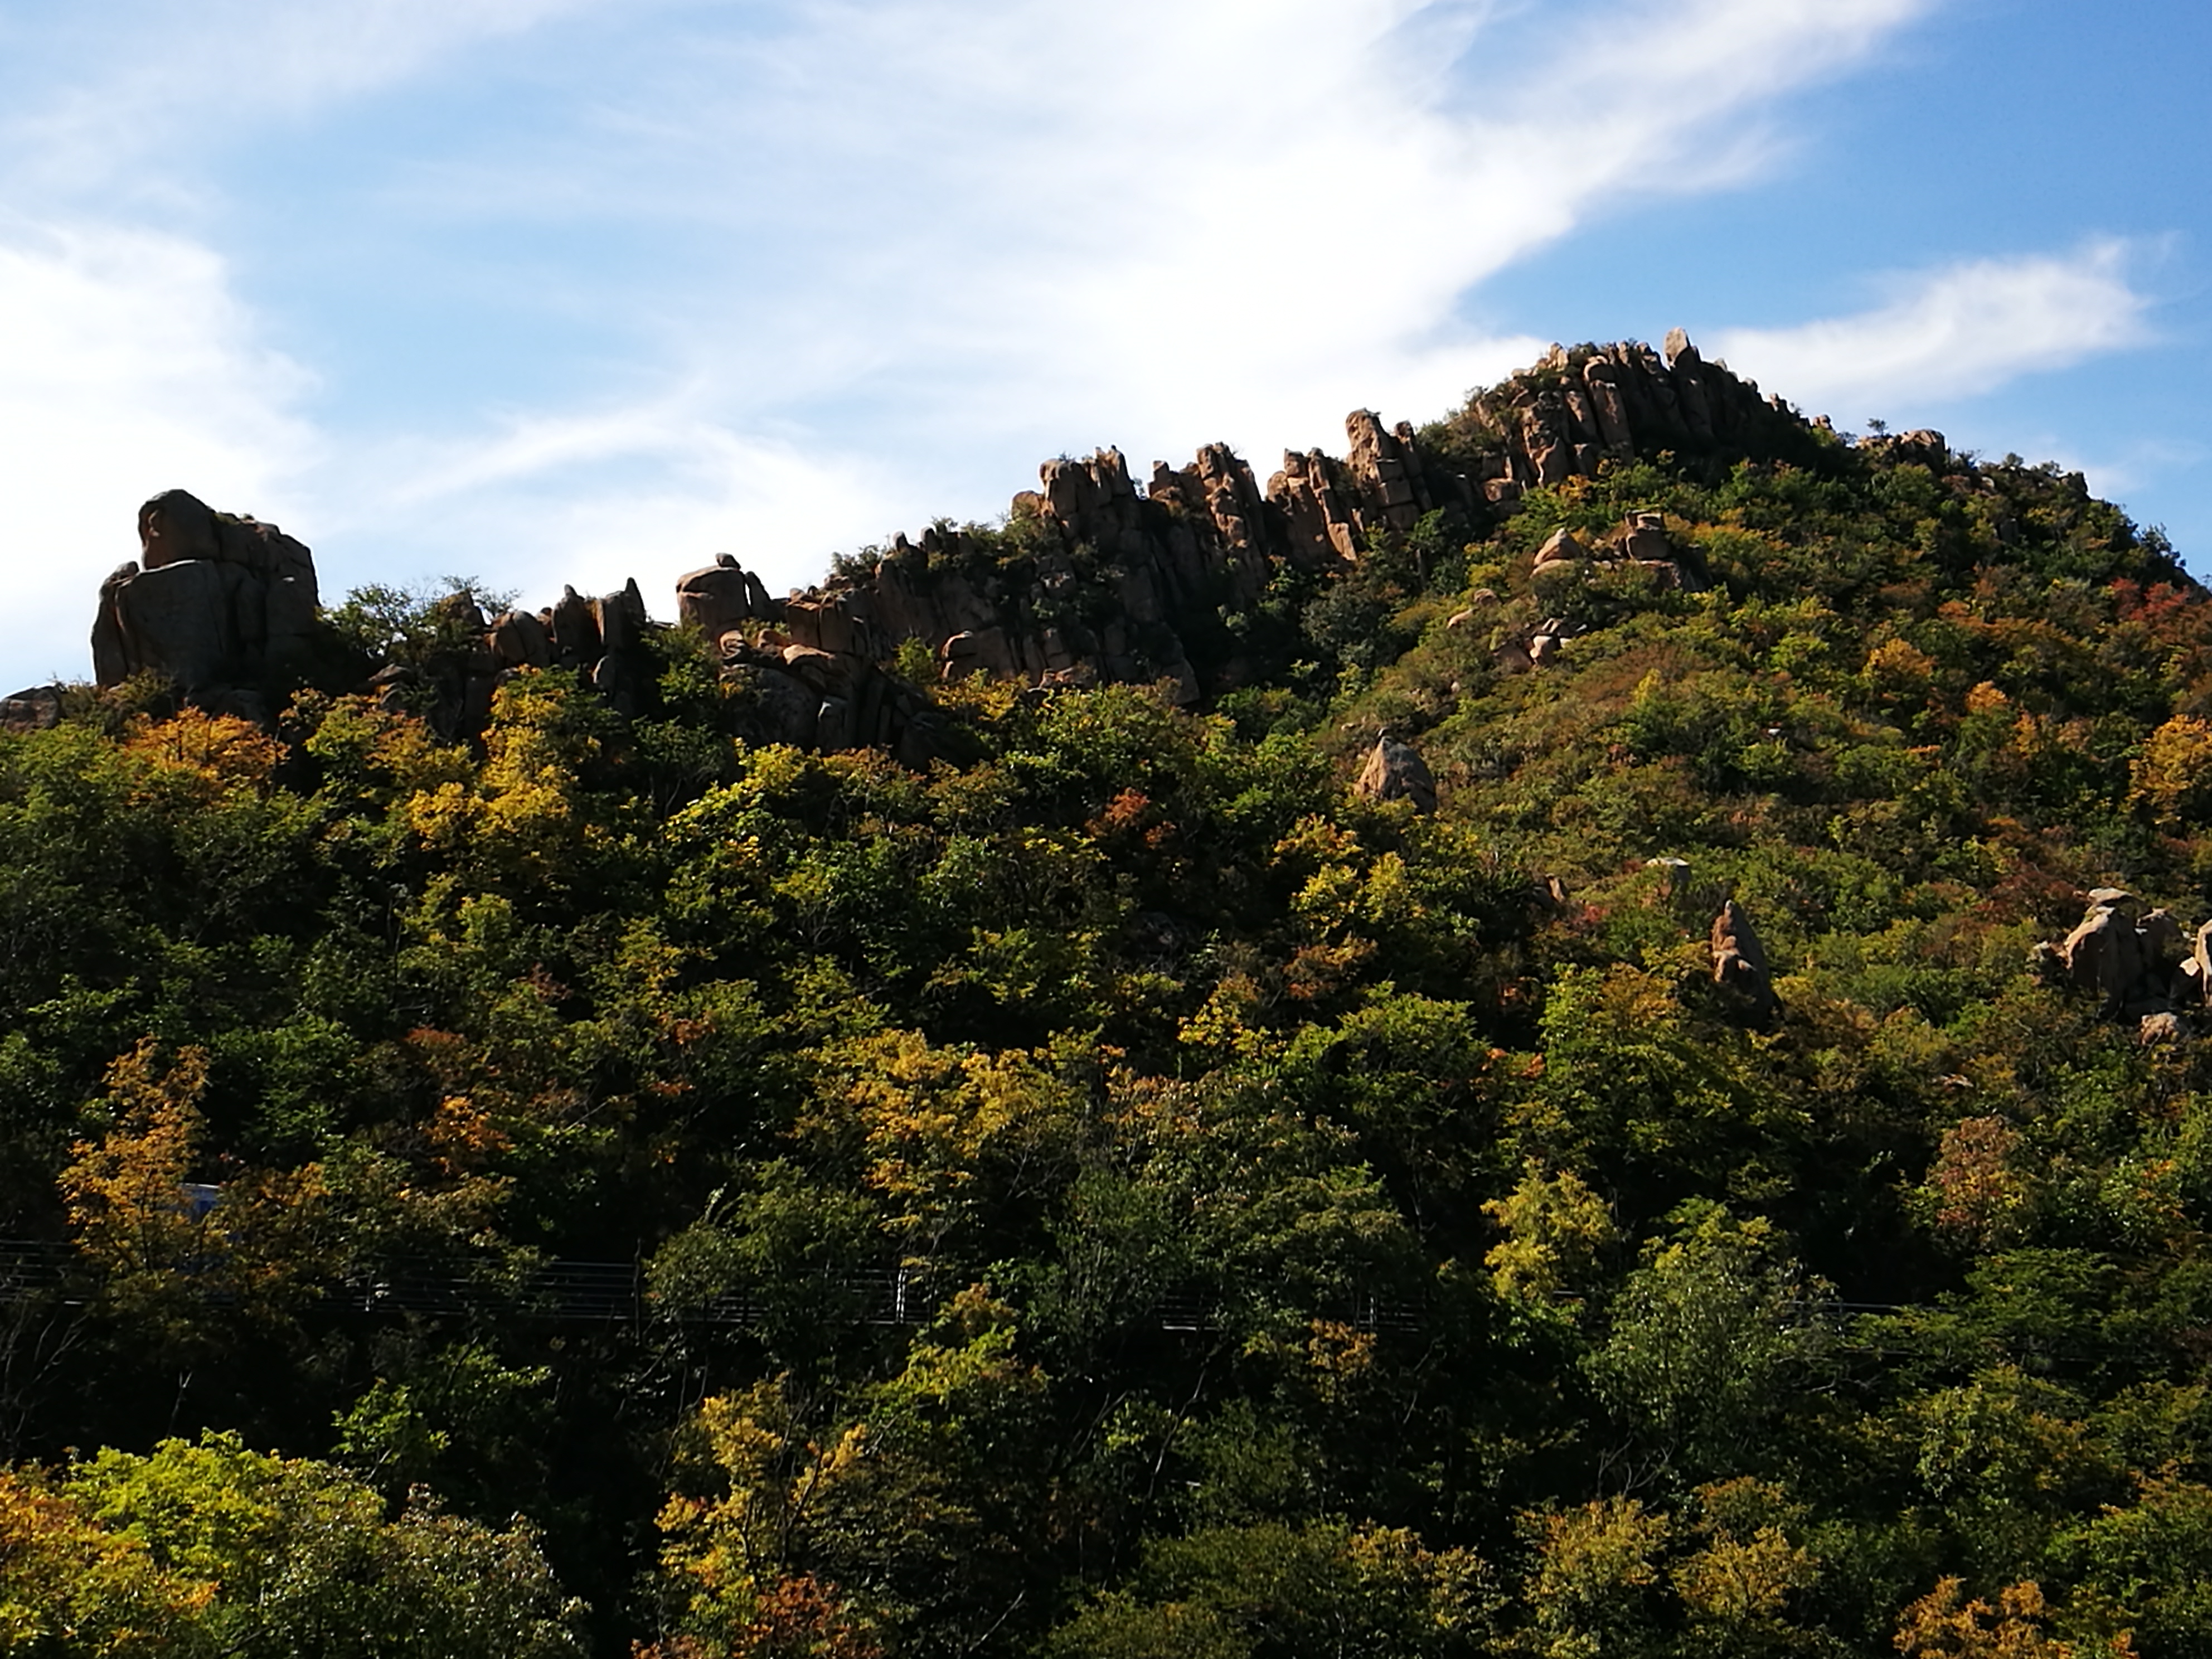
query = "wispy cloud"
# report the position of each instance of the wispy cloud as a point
(130, 367)
(980, 232)
(593, 499)
(1188, 215)
(867, 260)
(115, 99)
(1955, 333)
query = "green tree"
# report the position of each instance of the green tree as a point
(205, 1546)
(1710, 1337)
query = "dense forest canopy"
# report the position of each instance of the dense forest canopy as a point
(1121, 1190)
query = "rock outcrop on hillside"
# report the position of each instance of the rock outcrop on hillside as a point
(1096, 582)
(1092, 580)
(1396, 771)
(1739, 967)
(215, 602)
(2142, 966)
(33, 709)
(1579, 407)
(1102, 583)
(2132, 959)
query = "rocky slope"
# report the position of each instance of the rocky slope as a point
(1093, 580)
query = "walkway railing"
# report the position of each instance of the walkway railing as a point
(572, 1291)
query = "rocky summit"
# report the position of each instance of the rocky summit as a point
(1092, 580)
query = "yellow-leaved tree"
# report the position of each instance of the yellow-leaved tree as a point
(166, 1246)
(1945, 1623)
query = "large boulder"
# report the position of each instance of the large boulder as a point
(573, 624)
(174, 620)
(214, 601)
(2127, 960)
(1739, 966)
(1562, 546)
(720, 597)
(33, 709)
(1643, 538)
(2103, 955)
(1396, 771)
(2197, 968)
(518, 639)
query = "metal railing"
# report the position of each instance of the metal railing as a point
(572, 1291)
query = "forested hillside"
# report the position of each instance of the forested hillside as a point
(1099, 1182)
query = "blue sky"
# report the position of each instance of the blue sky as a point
(549, 291)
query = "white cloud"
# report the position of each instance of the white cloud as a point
(110, 99)
(905, 247)
(1953, 332)
(647, 491)
(966, 235)
(1197, 218)
(130, 367)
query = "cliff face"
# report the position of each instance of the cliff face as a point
(1092, 580)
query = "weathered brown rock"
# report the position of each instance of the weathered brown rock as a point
(1643, 538)
(573, 624)
(1580, 407)
(2162, 1027)
(518, 640)
(1561, 545)
(2137, 962)
(1396, 771)
(393, 686)
(622, 620)
(2188, 985)
(1386, 470)
(1740, 965)
(721, 596)
(175, 620)
(212, 601)
(35, 709)
(1924, 445)
(1096, 581)
(2106, 955)
(1601, 378)
(1318, 524)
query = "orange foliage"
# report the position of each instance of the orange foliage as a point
(1942, 1626)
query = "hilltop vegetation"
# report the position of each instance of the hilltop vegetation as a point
(1120, 1191)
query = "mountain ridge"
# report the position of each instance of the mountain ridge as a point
(1621, 1069)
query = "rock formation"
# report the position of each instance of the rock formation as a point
(32, 710)
(2127, 958)
(603, 640)
(1740, 966)
(1095, 582)
(1581, 406)
(1396, 771)
(215, 602)
(1641, 543)
(1092, 580)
